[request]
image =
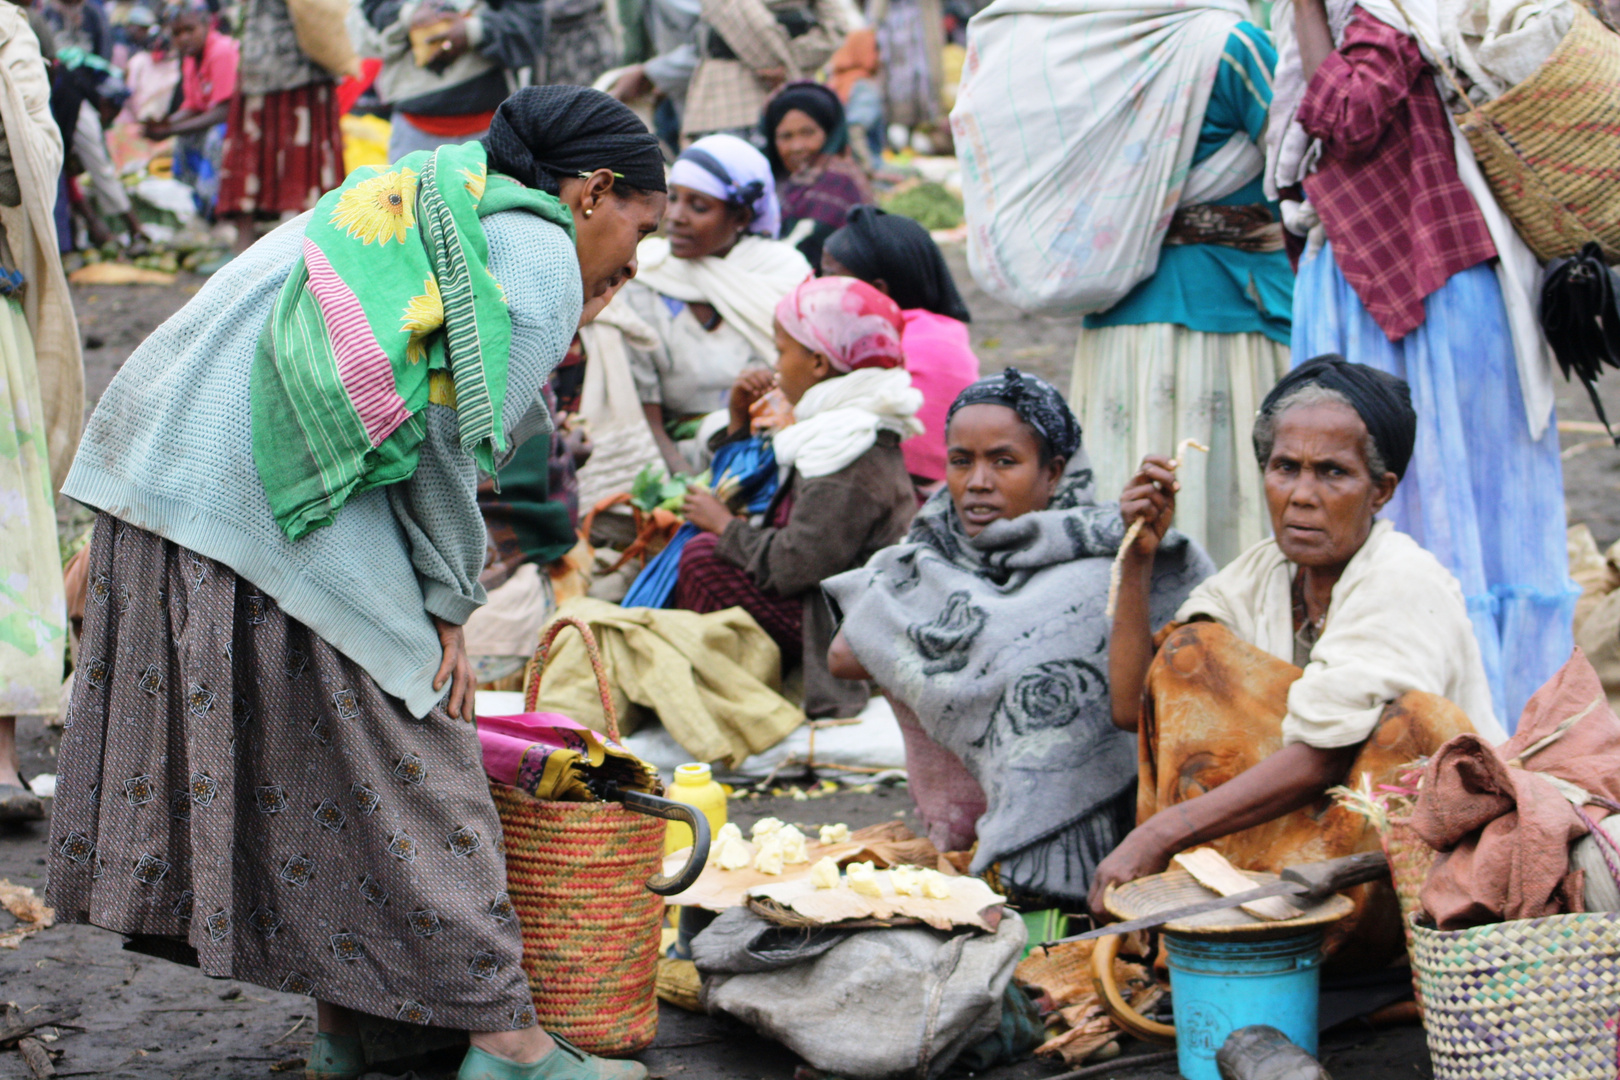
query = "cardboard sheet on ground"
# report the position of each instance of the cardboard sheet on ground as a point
(972, 903)
(717, 889)
(885, 845)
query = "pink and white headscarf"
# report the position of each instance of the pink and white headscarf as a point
(848, 321)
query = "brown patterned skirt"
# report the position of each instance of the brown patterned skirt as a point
(231, 784)
(1214, 708)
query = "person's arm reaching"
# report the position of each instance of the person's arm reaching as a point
(1150, 495)
(1293, 777)
(841, 660)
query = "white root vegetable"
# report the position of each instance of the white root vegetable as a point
(1118, 569)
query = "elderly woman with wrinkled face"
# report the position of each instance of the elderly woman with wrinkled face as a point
(1335, 652)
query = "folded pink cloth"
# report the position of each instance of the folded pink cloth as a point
(1502, 827)
(507, 741)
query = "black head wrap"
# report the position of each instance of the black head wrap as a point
(878, 245)
(1383, 402)
(542, 134)
(817, 102)
(1036, 401)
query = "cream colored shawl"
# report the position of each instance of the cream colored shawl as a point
(743, 287)
(1396, 622)
(30, 230)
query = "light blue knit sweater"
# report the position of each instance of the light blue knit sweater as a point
(169, 449)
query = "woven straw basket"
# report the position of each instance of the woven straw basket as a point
(1550, 146)
(576, 873)
(1522, 1000)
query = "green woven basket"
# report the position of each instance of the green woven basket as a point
(1531, 998)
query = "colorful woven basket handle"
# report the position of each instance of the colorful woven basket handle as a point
(537, 667)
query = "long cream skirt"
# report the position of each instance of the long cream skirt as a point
(1142, 389)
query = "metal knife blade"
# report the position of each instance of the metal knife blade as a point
(1219, 903)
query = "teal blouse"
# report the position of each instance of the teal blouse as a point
(1207, 287)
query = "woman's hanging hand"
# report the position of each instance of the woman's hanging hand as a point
(456, 669)
(1150, 497)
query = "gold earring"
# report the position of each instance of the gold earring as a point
(587, 213)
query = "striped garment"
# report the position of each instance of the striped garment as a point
(393, 292)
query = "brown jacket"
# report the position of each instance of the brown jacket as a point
(836, 524)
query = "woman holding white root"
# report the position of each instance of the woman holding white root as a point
(1334, 653)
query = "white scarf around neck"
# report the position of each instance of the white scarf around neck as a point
(838, 420)
(743, 286)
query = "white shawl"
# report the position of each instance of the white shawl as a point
(1396, 621)
(838, 420)
(1291, 155)
(36, 153)
(743, 287)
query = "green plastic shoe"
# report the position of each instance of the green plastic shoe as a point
(335, 1057)
(567, 1062)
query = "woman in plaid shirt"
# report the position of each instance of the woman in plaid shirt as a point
(1407, 281)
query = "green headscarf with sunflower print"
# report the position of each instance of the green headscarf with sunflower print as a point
(392, 306)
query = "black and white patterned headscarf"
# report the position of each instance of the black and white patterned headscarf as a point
(1036, 401)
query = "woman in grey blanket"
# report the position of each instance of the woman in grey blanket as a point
(986, 629)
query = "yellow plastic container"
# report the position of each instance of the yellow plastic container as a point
(695, 786)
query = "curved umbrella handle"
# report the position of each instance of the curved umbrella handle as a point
(669, 809)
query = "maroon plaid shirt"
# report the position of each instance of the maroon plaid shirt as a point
(1387, 189)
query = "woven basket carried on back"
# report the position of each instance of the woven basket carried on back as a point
(1531, 999)
(1550, 146)
(577, 873)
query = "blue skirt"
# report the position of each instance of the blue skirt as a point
(1479, 493)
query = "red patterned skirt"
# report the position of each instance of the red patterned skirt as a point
(706, 583)
(283, 151)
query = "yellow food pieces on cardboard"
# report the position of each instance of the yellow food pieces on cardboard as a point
(824, 875)
(835, 834)
(770, 857)
(792, 840)
(863, 879)
(935, 885)
(735, 853)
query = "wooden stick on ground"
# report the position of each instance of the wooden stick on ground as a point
(1136, 530)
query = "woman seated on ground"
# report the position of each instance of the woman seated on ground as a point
(895, 255)
(817, 181)
(1234, 735)
(708, 287)
(986, 629)
(844, 494)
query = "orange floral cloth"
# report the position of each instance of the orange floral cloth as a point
(1214, 707)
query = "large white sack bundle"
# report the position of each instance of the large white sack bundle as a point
(1075, 127)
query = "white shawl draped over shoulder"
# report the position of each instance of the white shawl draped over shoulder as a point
(36, 154)
(1396, 622)
(743, 287)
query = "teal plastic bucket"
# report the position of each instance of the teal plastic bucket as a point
(1219, 985)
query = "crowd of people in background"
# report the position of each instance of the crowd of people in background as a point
(245, 102)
